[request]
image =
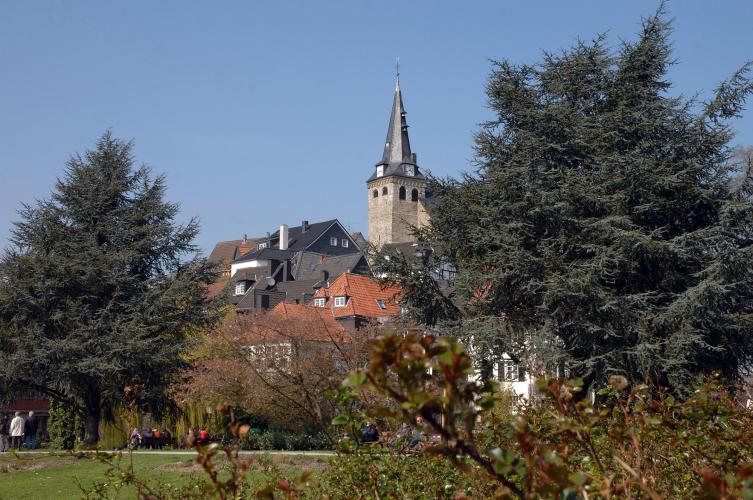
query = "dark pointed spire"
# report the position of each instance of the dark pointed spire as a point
(397, 144)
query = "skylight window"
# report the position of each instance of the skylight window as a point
(381, 305)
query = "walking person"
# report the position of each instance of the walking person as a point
(135, 440)
(16, 431)
(4, 430)
(30, 431)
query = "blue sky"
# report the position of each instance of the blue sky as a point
(262, 113)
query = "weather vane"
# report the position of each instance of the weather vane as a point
(397, 70)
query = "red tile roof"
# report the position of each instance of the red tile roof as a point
(301, 322)
(215, 289)
(362, 293)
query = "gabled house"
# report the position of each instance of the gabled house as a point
(324, 238)
(355, 300)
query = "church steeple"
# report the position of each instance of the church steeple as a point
(396, 188)
(397, 144)
(397, 159)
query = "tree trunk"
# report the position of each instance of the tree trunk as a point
(91, 422)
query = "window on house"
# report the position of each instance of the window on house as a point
(414, 195)
(265, 301)
(320, 302)
(384, 191)
(344, 243)
(333, 241)
(511, 371)
(375, 193)
(401, 194)
(240, 288)
(340, 301)
(381, 305)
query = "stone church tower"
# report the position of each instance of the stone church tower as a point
(396, 189)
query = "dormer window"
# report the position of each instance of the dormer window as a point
(263, 245)
(320, 302)
(380, 170)
(240, 288)
(341, 301)
(333, 241)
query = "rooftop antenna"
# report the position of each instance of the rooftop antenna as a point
(397, 73)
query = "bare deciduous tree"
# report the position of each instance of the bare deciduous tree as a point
(280, 365)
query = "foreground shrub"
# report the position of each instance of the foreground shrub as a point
(377, 473)
(636, 442)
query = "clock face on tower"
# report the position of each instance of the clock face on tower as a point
(410, 171)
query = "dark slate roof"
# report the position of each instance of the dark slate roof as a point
(397, 154)
(397, 144)
(310, 265)
(300, 240)
(266, 254)
(296, 289)
(360, 240)
(248, 274)
(408, 248)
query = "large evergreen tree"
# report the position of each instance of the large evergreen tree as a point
(599, 220)
(100, 289)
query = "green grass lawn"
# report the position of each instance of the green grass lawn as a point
(56, 476)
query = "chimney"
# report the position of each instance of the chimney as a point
(245, 238)
(284, 237)
(304, 226)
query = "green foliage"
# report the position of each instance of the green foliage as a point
(377, 473)
(63, 426)
(101, 289)
(599, 221)
(272, 439)
(637, 442)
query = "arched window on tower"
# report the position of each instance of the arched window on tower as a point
(384, 191)
(375, 193)
(402, 192)
(414, 195)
